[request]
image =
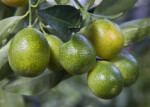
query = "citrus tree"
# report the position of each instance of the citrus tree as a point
(45, 42)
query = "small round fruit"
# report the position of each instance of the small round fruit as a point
(128, 66)
(77, 56)
(29, 53)
(106, 37)
(105, 80)
(54, 45)
(15, 3)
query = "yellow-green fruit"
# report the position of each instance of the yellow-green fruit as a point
(128, 66)
(29, 53)
(77, 56)
(15, 3)
(105, 80)
(54, 45)
(106, 37)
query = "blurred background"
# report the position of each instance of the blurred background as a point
(74, 92)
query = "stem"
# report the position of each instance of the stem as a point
(78, 3)
(34, 6)
(41, 27)
(35, 22)
(30, 14)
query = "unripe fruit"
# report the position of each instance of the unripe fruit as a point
(15, 3)
(29, 53)
(106, 37)
(54, 45)
(128, 66)
(77, 56)
(105, 80)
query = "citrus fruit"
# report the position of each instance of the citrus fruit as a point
(105, 80)
(54, 45)
(77, 56)
(15, 3)
(128, 66)
(29, 53)
(106, 37)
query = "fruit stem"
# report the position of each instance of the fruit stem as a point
(41, 27)
(78, 3)
(34, 6)
(30, 14)
(35, 22)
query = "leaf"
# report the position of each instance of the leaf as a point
(5, 69)
(86, 4)
(62, 1)
(10, 99)
(136, 30)
(8, 27)
(45, 4)
(60, 18)
(114, 7)
(37, 85)
(97, 17)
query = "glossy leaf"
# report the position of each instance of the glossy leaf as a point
(5, 69)
(37, 85)
(60, 18)
(114, 7)
(136, 30)
(8, 27)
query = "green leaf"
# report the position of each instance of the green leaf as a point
(10, 99)
(60, 18)
(114, 7)
(8, 27)
(62, 1)
(37, 85)
(5, 69)
(86, 4)
(136, 30)
(45, 4)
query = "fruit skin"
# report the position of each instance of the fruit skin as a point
(128, 66)
(106, 37)
(105, 80)
(77, 56)
(15, 3)
(29, 53)
(54, 45)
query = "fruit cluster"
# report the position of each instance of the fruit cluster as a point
(31, 52)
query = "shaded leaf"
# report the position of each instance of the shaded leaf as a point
(60, 18)
(8, 27)
(136, 30)
(114, 7)
(10, 99)
(5, 69)
(37, 85)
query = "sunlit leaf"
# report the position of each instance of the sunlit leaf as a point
(111, 8)
(135, 30)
